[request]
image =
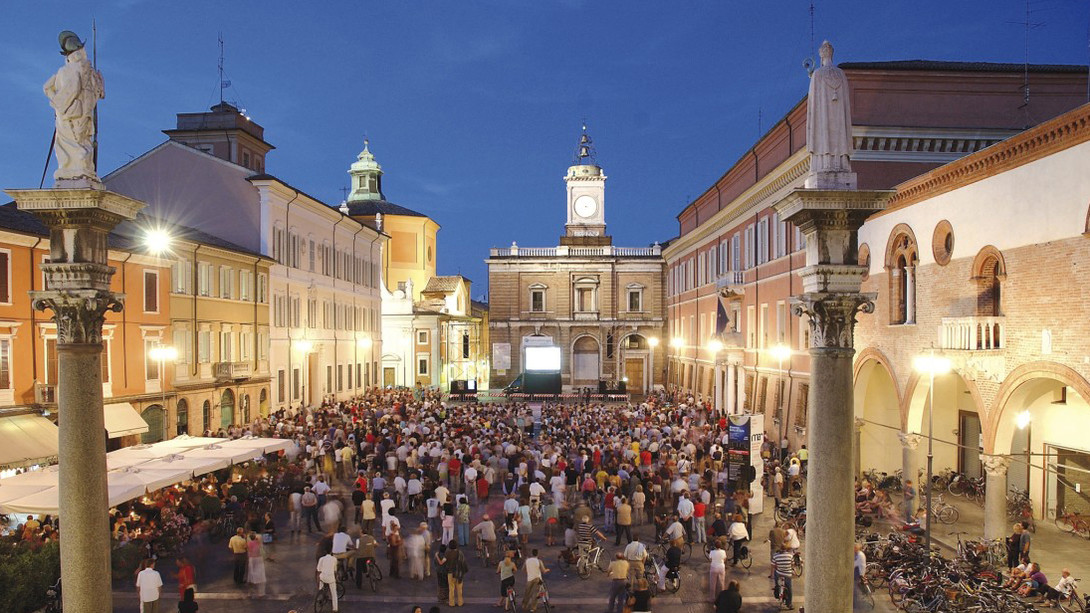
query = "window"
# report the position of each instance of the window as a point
(182, 420)
(180, 276)
(5, 363)
(340, 377)
(227, 277)
(226, 346)
(151, 367)
(465, 345)
(584, 299)
(349, 376)
(310, 259)
(537, 300)
(5, 277)
(359, 379)
(295, 383)
(736, 252)
(751, 249)
(751, 326)
(281, 383)
(421, 337)
(151, 291)
(244, 277)
(262, 345)
(329, 378)
(724, 256)
(762, 241)
(635, 299)
(781, 322)
(245, 342)
(262, 287)
(204, 346)
(204, 278)
(422, 365)
(762, 337)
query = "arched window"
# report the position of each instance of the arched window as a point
(156, 420)
(902, 257)
(183, 417)
(206, 415)
(227, 409)
(988, 297)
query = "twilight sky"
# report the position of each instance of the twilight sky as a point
(473, 107)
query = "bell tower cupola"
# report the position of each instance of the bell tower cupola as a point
(366, 176)
(586, 189)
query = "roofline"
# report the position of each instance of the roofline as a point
(921, 65)
(242, 169)
(272, 178)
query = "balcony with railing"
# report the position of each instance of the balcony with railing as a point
(231, 370)
(45, 393)
(973, 333)
(514, 251)
(731, 284)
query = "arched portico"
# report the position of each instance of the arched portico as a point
(586, 361)
(878, 413)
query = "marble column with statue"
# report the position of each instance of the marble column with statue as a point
(79, 215)
(828, 210)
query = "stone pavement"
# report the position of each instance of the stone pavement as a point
(291, 583)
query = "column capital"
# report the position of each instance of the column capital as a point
(832, 317)
(859, 423)
(910, 440)
(79, 314)
(995, 465)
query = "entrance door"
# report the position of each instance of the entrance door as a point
(969, 439)
(389, 376)
(227, 409)
(633, 369)
(155, 418)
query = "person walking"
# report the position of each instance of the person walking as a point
(309, 502)
(255, 572)
(149, 584)
(618, 588)
(717, 572)
(295, 503)
(729, 600)
(414, 549)
(186, 577)
(237, 545)
(367, 514)
(457, 569)
(624, 522)
(394, 551)
(776, 537)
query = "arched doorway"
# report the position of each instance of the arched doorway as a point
(183, 417)
(263, 403)
(206, 416)
(633, 358)
(155, 417)
(877, 403)
(246, 408)
(586, 361)
(957, 430)
(227, 409)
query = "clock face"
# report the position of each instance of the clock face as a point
(586, 206)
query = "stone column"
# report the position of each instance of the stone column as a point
(78, 276)
(910, 294)
(995, 496)
(910, 459)
(857, 447)
(830, 220)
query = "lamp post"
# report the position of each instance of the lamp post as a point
(930, 365)
(163, 354)
(780, 352)
(652, 342)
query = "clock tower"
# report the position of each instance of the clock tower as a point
(586, 188)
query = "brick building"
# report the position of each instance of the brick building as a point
(983, 259)
(734, 254)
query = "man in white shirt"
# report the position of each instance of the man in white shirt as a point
(321, 488)
(685, 510)
(150, 585)
(636, 554)
(296, 504)
(399, 490)
(536, 491)
(343, 547)
(442, 493)
(386, 506)
(327, 577)
(511, 505)
(535, 569)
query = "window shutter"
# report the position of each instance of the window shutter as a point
(151, 292)
(5, 290)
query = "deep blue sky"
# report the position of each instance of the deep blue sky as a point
(473, 107)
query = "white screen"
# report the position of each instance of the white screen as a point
(543, 359)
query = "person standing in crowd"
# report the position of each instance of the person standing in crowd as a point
(309, 502)
(506, 570)
(439, 558)
(717, 572)
(457, 569)
(618, 575)
(729, 600)
(394, 550)
(149, 584)
(624, 522)
(237, 545)
(255, 572)
(186, 577)
(783, 561)
(910, 500)
(327, 577)
(535, 575)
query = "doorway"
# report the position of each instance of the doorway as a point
(969, 440)
(389, 376)
(633, 370)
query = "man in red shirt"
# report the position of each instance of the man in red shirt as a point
(700, 531)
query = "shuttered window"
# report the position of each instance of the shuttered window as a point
(151, 291)
(5, 277)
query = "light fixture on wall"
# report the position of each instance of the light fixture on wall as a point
(1022, 419)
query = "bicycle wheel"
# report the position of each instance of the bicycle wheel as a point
(583, 568)
(797, 564)
(708, 550)
(340, 591)
(956, 487)
(898, 586)
(322, 602)
(373, 581)
(947, 515)
(1064, 523)
(747, 560)
(601, 562)
(686, 552)
(1073, 604)
(673, 583)
(911, 605)
(545, 605)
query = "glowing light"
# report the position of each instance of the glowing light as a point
(653, 341)
(931, 364)
(780, 352)
(304, 346)
(677, 342)
(715, 346)
(1022, 419)
(157, 241)
(364, 342)
(163, 353)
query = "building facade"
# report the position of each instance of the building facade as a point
(324, 287)
(602, 305)
(980, 261)
(731, 273)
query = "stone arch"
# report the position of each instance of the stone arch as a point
(586, 359)
(901, 237)
(863, 259)
(983, 260)
(182, 416)
(1019, 385)
(878, 404)
(156, 418)
(956, 396)
(263, 402)
(227, 409)
(989, 272)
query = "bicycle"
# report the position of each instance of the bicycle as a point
(1074, 603)
(511, 599)
(542, 598)
(746, 559)
(373, 573)
(671, 579)
(866, 592)
(590, 558)
(798, 563)
(484, 552)
(1073, 522)
(323, 600)
(944, 511)
(686, 550)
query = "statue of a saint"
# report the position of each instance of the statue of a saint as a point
(73, 93)
(828, 117)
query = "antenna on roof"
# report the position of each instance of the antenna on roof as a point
(223, 83)
(1027, 25)
(344, 193)
(809, 63)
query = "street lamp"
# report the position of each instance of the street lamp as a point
(781, 352)
(157, 241)
(930, 365)
(163, 354)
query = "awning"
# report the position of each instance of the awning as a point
(123, 420)
(25, 439)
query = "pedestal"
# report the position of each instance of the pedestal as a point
(78, 275)
(995, 495)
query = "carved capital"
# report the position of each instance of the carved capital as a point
(79, 314)
(909, 440)
(832, 317)
(995, 465)
(859, 423)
